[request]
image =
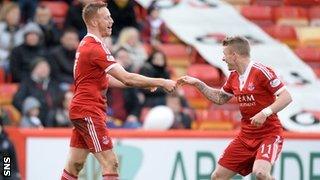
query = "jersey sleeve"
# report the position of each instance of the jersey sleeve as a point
(271, 81)
(102, 58)
(227, 87)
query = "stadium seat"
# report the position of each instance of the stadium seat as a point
(314, 16)
(213, 125)
(257, 12)
(7, 92)
(217, 118)
(308, 54)
(173, 38)
(285, 34)
(308, 36)
(177, 54)
(291, 16)
(317, 71)
(205, 72)
(260, 15)
(196, 58)
(2, 75)
(58, 9)
(195, 99)
(302, 2)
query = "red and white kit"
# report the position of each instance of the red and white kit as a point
(255, 90)
(88, 106)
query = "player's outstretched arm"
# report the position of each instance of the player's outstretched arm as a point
(137, 80)
(217, 96)
(113, 82)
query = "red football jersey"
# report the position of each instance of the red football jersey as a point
(255, 90)
(92, 62)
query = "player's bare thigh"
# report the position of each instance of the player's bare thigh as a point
(76, 159)
(108, 160)
(261, 169)
(222, 173)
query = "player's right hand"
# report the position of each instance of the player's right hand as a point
(187, 80)
(169, 85)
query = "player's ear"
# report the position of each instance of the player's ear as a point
(93, 22)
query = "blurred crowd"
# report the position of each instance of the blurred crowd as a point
(38, 53)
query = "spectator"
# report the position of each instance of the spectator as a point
(123, 15)
(74, 17)
(22, 56)
(62, 57)
(11, 35)
(39, 86)
(130, 40)
(156, 66)
(124, 103)
(182, 119)
(30, 113)
(28, 8)
(154, 30)
(59, 116)
(49, 29)
(7, 148)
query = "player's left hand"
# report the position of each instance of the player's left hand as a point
(258, 119)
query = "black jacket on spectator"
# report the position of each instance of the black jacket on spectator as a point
(46, 96)
(74, 19)
(159, 96)
(51, 34)
(122, 17)
(21, 58)
(61, 62)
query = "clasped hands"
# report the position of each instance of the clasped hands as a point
(171, 85)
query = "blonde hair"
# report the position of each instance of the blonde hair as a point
(125, 35)
(238, 44)
(91, 9)
(7, 7)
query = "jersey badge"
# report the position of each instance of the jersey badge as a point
(251, 86)
(105, 140)
(275, 83)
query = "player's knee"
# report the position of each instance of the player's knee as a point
(216, 176)
(260, 174)
(78, 166)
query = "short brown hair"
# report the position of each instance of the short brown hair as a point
(239, 44)
(90, 10)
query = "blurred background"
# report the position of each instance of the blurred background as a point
(157, 136)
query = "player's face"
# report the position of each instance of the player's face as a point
(104, 22)
(229, 57)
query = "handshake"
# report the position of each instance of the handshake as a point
(170, 85)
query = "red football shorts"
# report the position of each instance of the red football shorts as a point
(90, 133)
(240, 155)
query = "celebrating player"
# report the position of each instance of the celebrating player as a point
(95, 69)
(260, 95)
